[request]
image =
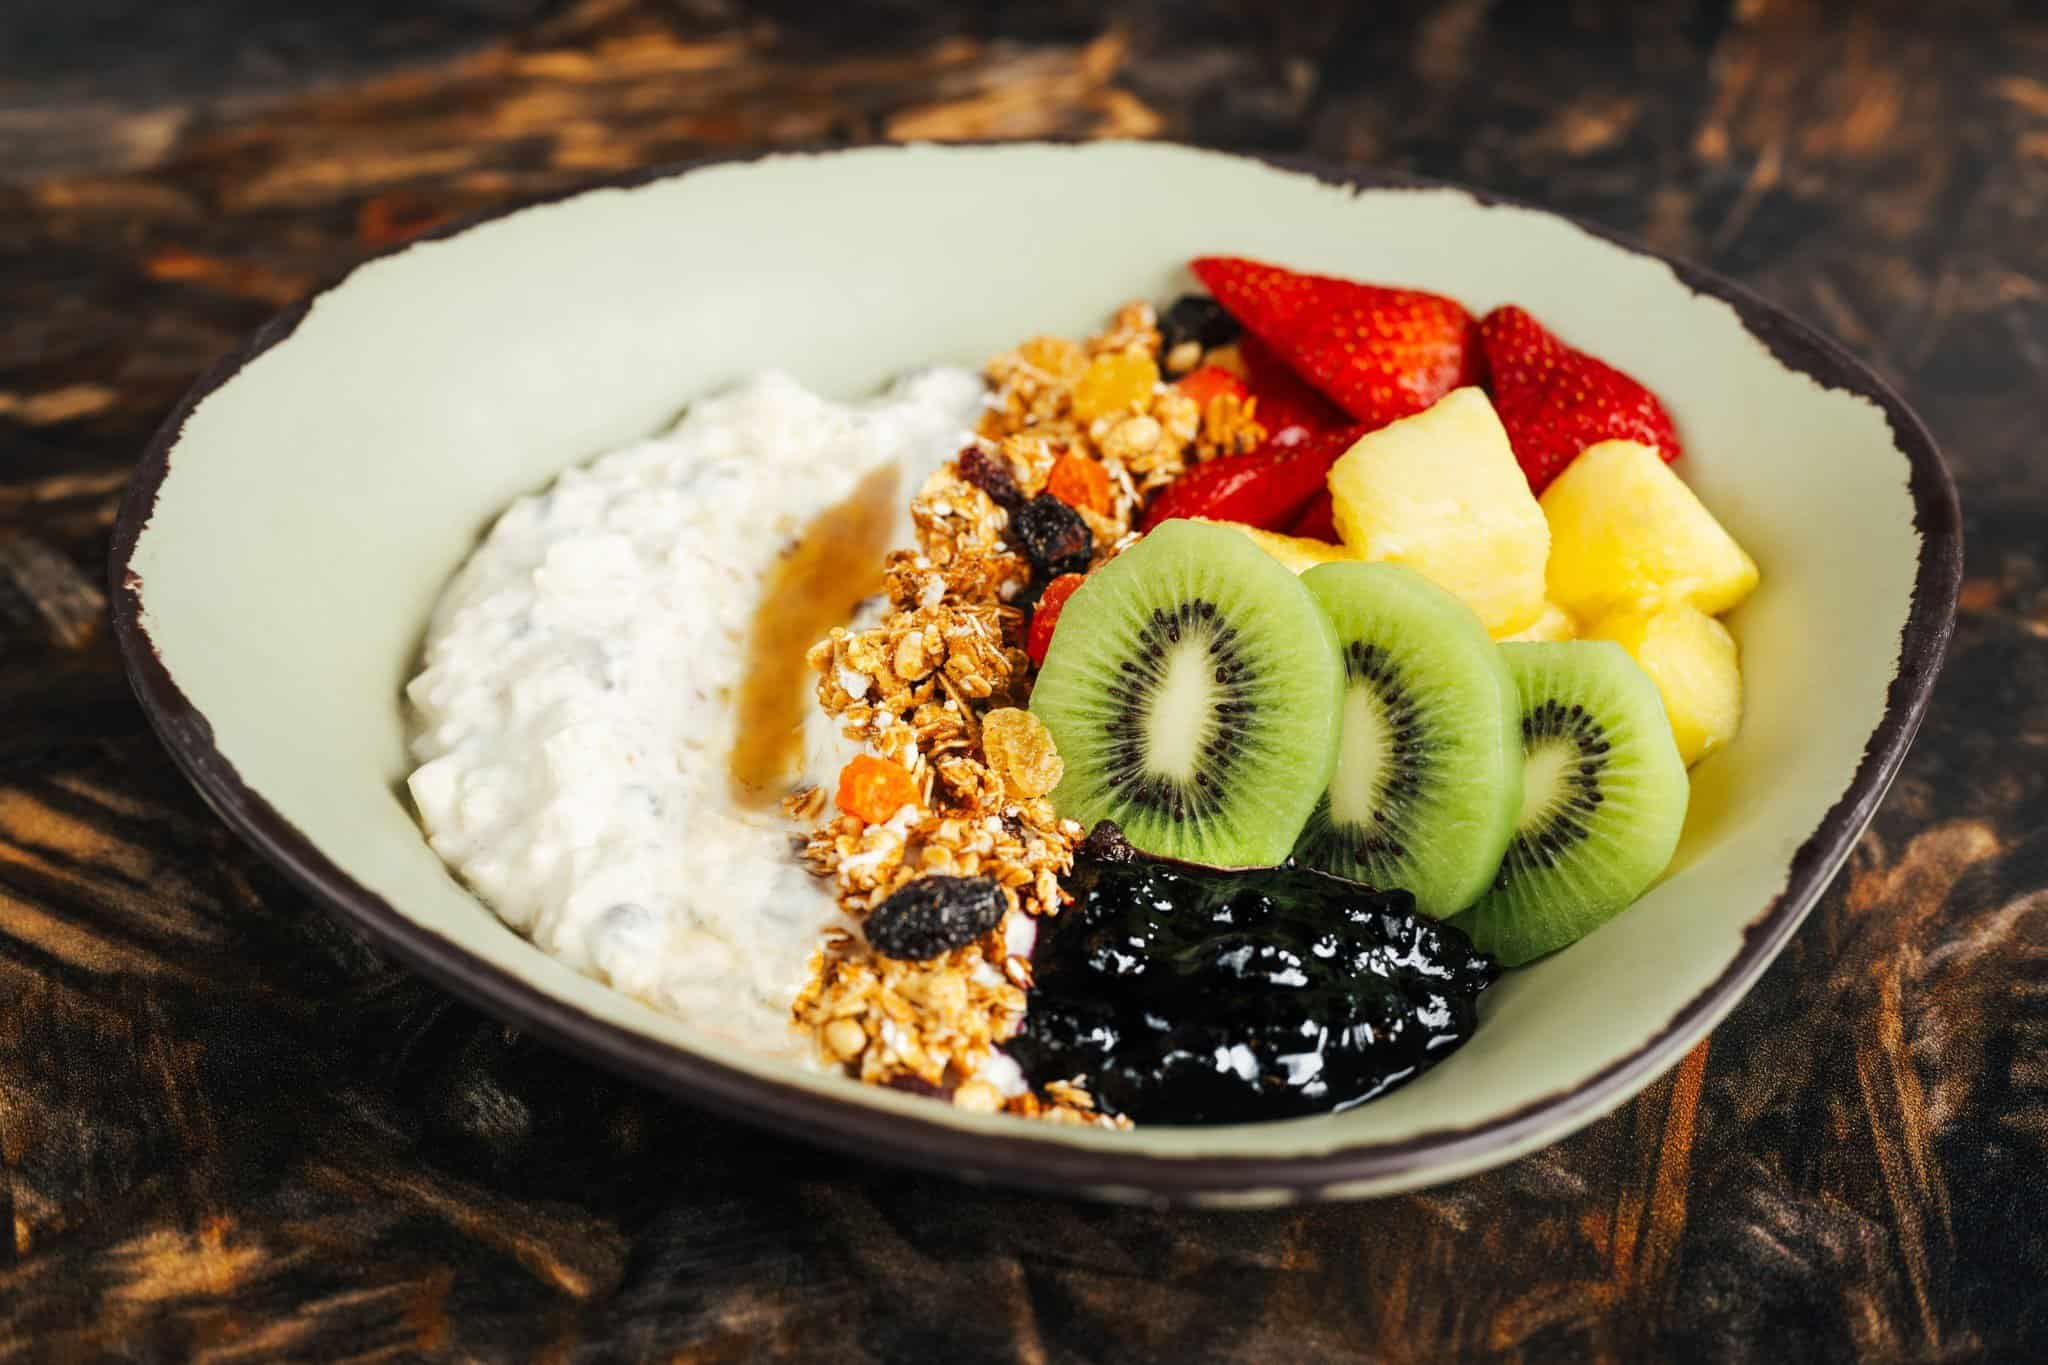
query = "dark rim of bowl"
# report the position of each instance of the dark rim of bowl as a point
(1043, 1161)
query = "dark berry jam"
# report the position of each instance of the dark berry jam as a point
(1180, 994)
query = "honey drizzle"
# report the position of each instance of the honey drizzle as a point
(832, 566)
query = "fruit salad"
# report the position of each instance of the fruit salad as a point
(1273, 670)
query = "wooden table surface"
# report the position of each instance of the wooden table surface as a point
(230, 1130)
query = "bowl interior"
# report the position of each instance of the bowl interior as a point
(316, 502)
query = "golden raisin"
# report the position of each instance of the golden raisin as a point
(1021, 751)
(873, 789)
(1058, 357)
(1079, 481)
(1117, 382)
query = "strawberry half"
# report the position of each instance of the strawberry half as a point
(1319, 522)
(1381, 354)
(1288, 409)
(1045, 617)
(1268, 488)
(1556, 401)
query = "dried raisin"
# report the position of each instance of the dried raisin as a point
(935, 915)
(1197, 318)
(1052, 536)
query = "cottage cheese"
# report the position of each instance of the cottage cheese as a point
(576, 707)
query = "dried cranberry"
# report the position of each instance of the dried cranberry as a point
(992, 475)
(1052, 536)
(935, 915)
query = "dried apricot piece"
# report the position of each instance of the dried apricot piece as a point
(1117, 382)
(873, 789)
(1079, 481)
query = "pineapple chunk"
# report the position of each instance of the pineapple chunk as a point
(1626, 533)
(1298, 553)
(1554, 624)
(1441, 493)
(1692, 659)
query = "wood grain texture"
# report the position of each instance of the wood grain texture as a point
(230, 1131)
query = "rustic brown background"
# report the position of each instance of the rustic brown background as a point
(230, 1130)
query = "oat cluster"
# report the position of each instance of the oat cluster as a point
(937, 687)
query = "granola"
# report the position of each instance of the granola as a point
(1144, 441)
(938, 686)
(1230, 426)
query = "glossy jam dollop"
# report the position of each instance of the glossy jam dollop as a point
(1180, 994)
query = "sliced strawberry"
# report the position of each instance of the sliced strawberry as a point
(1288, 408)
(1555, 401)
(1045, 617)
(1319, 522)
(1210, 381)
(1381, 354)
(1267, 488)
(1200, 491)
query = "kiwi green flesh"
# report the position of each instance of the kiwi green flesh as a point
(1428, 777)
(1192, 689)
(1603, 802)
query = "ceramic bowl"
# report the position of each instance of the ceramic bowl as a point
(286, 533)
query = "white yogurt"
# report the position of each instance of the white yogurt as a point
(576, 710)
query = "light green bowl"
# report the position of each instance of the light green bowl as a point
(287, 532)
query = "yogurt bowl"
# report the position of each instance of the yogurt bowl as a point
(288, 534)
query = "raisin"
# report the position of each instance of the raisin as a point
(993, 476)
(1197, 318)
(935, 915)
(1052, 536)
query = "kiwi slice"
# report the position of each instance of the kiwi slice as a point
(1429, 765)
(1192, 689)
(1603, 799)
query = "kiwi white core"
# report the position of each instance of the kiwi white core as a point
(1182, 717)
(1543, 772)
(1361, 758)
